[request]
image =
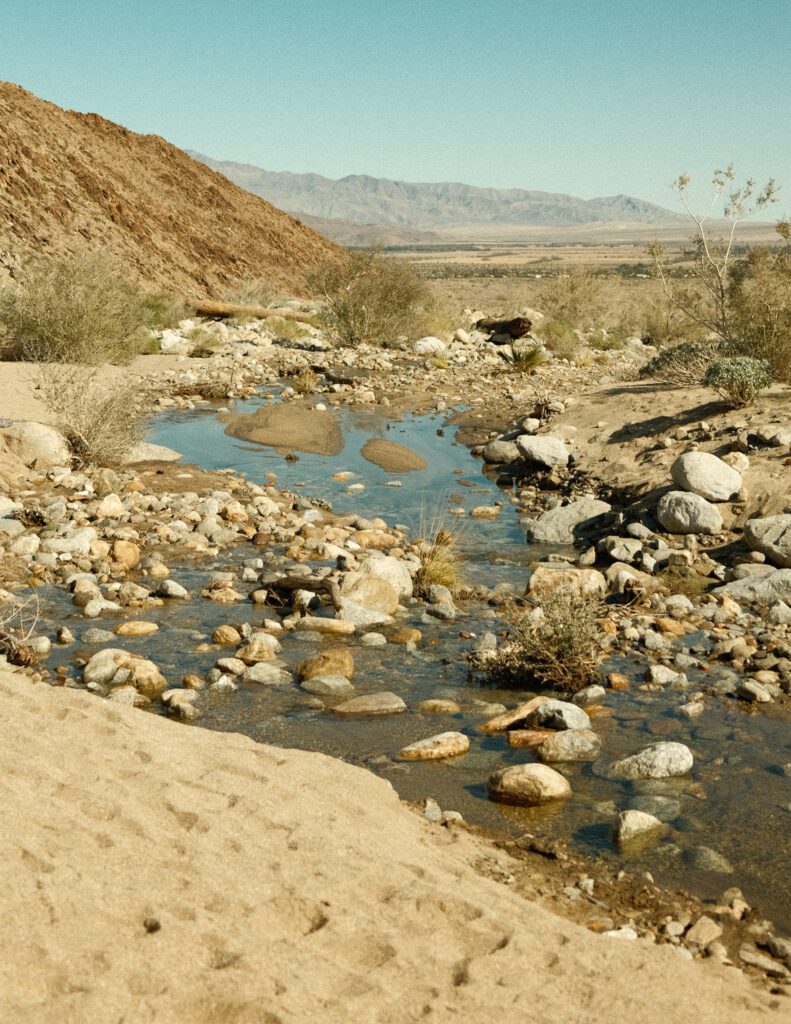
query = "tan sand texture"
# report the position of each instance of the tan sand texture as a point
(154, 872)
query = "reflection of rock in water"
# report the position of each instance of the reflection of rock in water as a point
(392, 457)
(289, 426)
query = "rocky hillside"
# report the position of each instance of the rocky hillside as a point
(70, 180)
(439, 206)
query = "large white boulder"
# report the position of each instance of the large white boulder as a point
(37, 445)
(706, 475)
(771, 535)
(683, 512)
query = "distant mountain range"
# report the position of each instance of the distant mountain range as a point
(451, 208)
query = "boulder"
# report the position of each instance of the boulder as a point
(126, 553)
(336, 661)
(36, 444)
(683, 512)
(766, 589)
(328, 686)
(373, 593)
(115, 667)
(386, 567)
(635, 828)
(659, 761)
(563, 525)
(557, 714)
(384, 703)
(260, 647)
(546, 579)
(571, 745)
(429, 346)
(706, 475)
(528, 784)
(501, 453)
(266, 673)
(362, 616)
(771, 535)
(544, 450)
(444, 744)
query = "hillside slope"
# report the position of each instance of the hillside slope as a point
(433, 206)
(71, 180)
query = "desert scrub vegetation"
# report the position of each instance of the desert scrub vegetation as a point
(559, 338)
(305, 382)
(205, 342)
(681, 366)
(739, 380)
(553, 647)
(528, 360)
(369, 299)
(440, 564)
(101, 419)
(286, 330)
(76, 310)
(578, 299)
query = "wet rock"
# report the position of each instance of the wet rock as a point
(544, 450)
(136, 627)
(328, 686)
(169, 588)
(391, 569)
(434, 748)
(99, 606)
(115, 667)
(565, 524)
(771, 535)
(705, 859)
(260, 647)
(706, 475)
(361, 616)
(391, 456)
(589, 696)
(438, 706)
(315, 624)
(659, 761)
(266, 673)
(636, 828)
(94, 637)
(528, 784)
(384, 703)
(683, 512)
(663, 807)
(226, 636)
(571, 745)
(334, 661)
(558, 714)
(231, 666)
(753, 692)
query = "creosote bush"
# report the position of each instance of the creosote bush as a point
(76, 310)
(682, 365)
(760, 300)
(578, 299)
(739, 379)
(371, 300)
(560, 338)
(102, 420)
(555, 647)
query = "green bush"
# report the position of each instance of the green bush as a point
(560, 339)
(578, 299)
(739, 379)
(370, 299)
(77, 310)
(682, 366)
(760, 299)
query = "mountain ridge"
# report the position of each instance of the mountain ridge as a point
(433, 206)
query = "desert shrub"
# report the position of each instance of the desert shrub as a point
(760, 299)
(560, 338)
(305, 382)
(440, 563)
(528, 360)
(739, 379)
(660, 322)
(682, 365)
(608, 341)
(371, 300)
(204, 342)
(578, 299)
(286, 329)
(76, 310)
(556, 647)
(163, 310)
(102, 420)
(252, 294)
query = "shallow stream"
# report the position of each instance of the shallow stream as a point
(737, 800)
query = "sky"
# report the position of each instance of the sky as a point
(588, 97)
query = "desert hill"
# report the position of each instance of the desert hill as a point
(439, 206)
(71, 180)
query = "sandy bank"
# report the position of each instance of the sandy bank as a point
(297, 427)
(156, 872)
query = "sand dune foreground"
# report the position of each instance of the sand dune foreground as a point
(154, 872)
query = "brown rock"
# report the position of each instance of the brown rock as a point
(408, 634)
(439, 707)
(528, 784)
(435, 748)
(374, 593)
(136, 628)
(384, 703)
(530, 739)
(392, 457)
(508, 718)
(618, 681)
(227, 636)
(336, 661)
(126, 553)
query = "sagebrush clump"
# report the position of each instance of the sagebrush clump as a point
(560, 339)
(75, 310)
(370, 299)
(682, 365)
(555, 647)
(739, 379)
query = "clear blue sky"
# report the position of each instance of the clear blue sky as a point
(591, 97)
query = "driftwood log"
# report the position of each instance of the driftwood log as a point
(517, 327)
(315, 584)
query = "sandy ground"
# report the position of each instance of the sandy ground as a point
(156, 872)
